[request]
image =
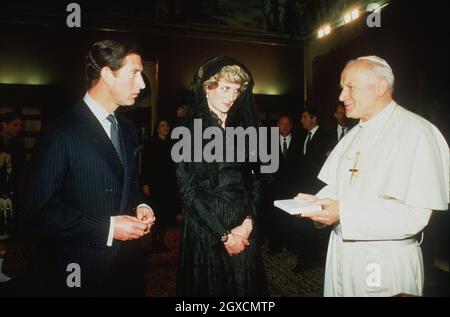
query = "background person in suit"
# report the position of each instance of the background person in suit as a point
(12, 164)
(312, 156)
(284, 184)
(341, 129)
(313, 149)
(82, 185)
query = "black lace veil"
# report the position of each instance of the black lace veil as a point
(242, 113)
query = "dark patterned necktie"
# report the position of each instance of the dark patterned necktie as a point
(308, 139)
(284, 147)
(342, 133)
(115, 139)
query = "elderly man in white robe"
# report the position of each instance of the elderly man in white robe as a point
(383, 180)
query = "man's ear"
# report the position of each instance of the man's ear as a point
(107, 76)
(382, 87)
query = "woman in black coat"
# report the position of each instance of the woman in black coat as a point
(220, 255)
(159, 182)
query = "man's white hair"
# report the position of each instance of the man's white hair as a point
(380, 67)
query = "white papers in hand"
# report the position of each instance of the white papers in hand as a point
(297, 206)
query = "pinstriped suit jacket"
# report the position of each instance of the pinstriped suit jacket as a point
(76, 183)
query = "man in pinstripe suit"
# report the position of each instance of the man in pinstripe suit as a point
(82, 187)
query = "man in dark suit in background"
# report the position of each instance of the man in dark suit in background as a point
(313, 150)
(82, 186)
(284, 184)
(12, 164)
(343, 126)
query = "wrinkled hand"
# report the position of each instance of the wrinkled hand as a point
(147, 216)
(308, 197)
(128, 228)
(329, 214)
(235, 244)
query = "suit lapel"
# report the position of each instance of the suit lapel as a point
(311, 143)
(315, 145)
(313, 139)
(92, 131)
(292, 146)
(280, 151)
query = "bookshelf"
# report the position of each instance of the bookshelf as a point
(31, 125)
(36, 104)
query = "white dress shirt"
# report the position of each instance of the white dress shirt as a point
(339, 131)
(288, 141)
(313, 131)
(100, 113)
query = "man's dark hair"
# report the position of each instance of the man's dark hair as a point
(107, 53)
(284, 115)
(10, 116)
(312, 113)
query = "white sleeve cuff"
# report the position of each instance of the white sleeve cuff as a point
(111, 232)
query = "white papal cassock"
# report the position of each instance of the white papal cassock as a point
(402, 164)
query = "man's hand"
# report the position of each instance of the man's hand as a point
(235, 244)
(308, 197)
(147, 216)
(302, 196)
(128, 228)
(330, 213)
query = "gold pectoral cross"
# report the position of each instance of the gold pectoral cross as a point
(354, 170)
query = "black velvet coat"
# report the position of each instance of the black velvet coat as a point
(218, 197)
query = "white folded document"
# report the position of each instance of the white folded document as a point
(297, 206)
